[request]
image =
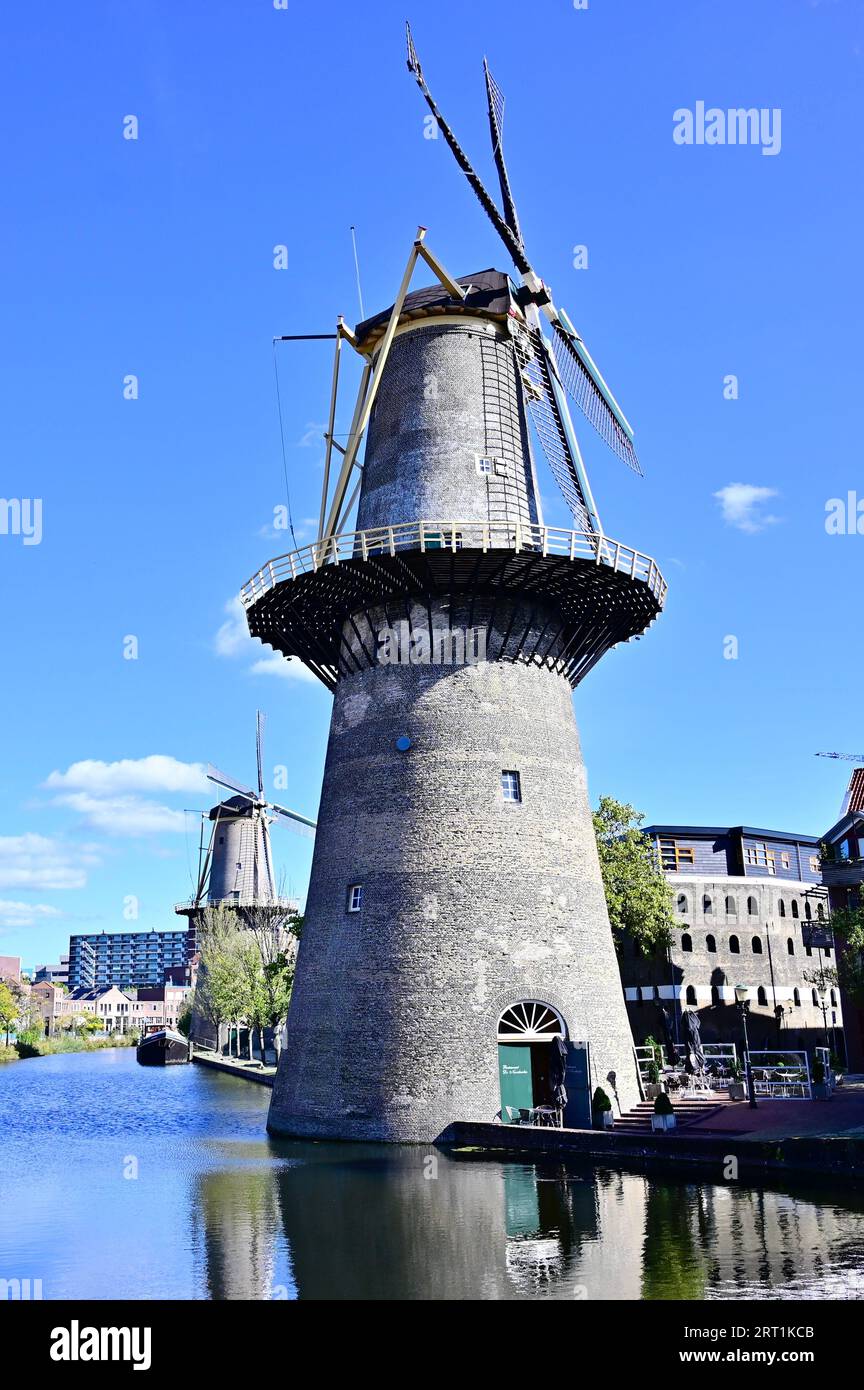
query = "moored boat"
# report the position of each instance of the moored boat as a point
(162, 1048)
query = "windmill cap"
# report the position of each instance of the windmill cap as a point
(492, 296)
(233, 806)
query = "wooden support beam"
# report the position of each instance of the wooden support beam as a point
(358, 430)
(331, 420)
(450, 285)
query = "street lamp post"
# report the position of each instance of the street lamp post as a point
(742, 1003)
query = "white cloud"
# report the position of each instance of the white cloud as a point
(233, 636)
(741, 505)
(156, 773)
(124, 815)
(313, 434)
(34, 861)
(288, 668)
(106, 795)
(14, 914)
(234, 640)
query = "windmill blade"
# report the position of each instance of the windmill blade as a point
(302, 825)
(486, 202)
(495, 98)
(215, 775)
(546, 418)
(259, 753)
(586, 387)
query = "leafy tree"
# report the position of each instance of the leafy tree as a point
(8, 1008)
(275, 933)
(847, 923)
(638, 897)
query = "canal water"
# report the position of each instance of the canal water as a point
(119, 1181)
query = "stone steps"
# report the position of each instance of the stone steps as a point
(687, 1113)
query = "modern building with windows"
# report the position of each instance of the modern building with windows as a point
(750, 909)
(128, 959)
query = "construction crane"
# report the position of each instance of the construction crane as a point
(846, 757)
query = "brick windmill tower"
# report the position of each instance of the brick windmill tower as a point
(456, 954)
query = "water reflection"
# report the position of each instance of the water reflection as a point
(221, 1212)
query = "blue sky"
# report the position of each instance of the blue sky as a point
(154, 257)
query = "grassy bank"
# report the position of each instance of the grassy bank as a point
(47, 1047)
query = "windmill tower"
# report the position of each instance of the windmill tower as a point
(456, 930)
(236, 867)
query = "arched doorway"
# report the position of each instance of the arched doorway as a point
(528, 1055)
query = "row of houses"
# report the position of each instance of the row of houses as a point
(158, 1006)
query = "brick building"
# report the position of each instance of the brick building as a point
(751, 910)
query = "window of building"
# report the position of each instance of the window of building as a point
(710, 943)
(756, 945)
(833, 999)
(686, 942)
(790, 946)
(355, 897)
(820, 912)
(673, 855)
(796, 998)
(782, 906)
(752, 908)
(784, 859)
(815, 864)
(682, 904)
(808, 912)
(485, 466)
(808, 950)
(761, 857)
(762, 997)
(690, 996)
(734, 946)
(511, 786)
(827, 950)
(815, 998)
(795, 912)
(707, 905)
(731, 907)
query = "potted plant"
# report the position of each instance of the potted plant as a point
(737, 1089)
(601, 1110)
(653, 1086)
(820, 1087)
(664, 1115)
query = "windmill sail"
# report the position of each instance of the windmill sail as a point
(575, 366)
(587, 388)
(496, 125)
(486, 202)
(546, 418)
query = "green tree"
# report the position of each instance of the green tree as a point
(637, 895)
(275, 933)
(847, 923)
(8, 1008)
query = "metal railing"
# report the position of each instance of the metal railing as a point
(455, 536)
(780, 1075)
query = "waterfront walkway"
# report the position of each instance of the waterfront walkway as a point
(817, 1139)
(237, 1066)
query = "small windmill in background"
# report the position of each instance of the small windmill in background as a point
(237, 865)
(854, 798)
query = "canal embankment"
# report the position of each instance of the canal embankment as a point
(237, 1066)
(720, 1156)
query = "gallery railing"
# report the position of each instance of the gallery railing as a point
(456, 536)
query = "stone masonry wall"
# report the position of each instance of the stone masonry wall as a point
(470, 903)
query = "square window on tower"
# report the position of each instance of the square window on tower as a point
(511, 786)
(355, 897)
(485, 466)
